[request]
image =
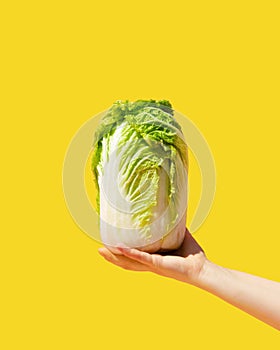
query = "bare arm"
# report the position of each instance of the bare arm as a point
(257, 296)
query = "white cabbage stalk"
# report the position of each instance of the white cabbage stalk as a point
(140, 168)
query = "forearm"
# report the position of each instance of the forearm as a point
(255, 295)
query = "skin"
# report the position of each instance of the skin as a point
(257, 296)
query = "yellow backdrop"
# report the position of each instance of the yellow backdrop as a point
(63, 62)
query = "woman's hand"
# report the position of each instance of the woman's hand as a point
(257, 296)
(184, 264)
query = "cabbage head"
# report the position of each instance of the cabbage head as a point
(140, 165)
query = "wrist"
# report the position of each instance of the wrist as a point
(208, 273)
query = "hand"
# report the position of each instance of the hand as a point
(184, 264)
(255, 295)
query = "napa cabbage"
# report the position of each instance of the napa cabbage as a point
(139, 166)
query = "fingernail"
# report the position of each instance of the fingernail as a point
(100, 251)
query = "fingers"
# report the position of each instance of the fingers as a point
(107, 254)
(136, 260)
(150, 260)
(121, 261)
(169, 266)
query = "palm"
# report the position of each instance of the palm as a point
(183, 264)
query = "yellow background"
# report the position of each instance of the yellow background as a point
(63, 62)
